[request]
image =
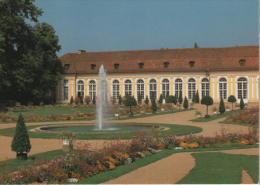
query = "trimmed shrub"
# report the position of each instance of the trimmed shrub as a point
(129, 102)
(242, 105)
(221, 108)
(120, 100)
(207, 100)
(160, 99)
(71, 100)
(21, 141)
(197, 97)
(232, 99)
(154, 106)
(94, 100)
(139, 99)
(170, 99)
(185, 103)
(146, 101)
(180, 100)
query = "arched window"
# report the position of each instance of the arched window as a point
(165, 88)
(80, 89)
(153, 88)
(92, 89)
(128, 87)
(116, 89)
(140, 88)
(178, 87)
(191, 88)
(222, 88)
(204, 87)
(242, 88)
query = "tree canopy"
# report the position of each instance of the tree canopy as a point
(27, 67)
(207, 100)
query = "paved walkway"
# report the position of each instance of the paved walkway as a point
(169, 170)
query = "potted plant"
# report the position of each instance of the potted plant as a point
(214, 110)
(227, 108)
(198, 114)
(67, 140)
(21, 140)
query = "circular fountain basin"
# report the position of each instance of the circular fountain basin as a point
(92, 129)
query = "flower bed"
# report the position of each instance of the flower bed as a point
(84, 163)
(248, 117)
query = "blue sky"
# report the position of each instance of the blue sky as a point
(118, 25)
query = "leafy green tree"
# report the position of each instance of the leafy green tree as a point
(154, 106)
(221, 108)
(242, 105)
(94, 100)
(21, 140)
(120, 100)
(167, 95)
(207, 100)
(170, 100)
(185, 103)
(139, 99)
(160, 99)
(28, 53)
(180, 100)
(232, 99)
(175, 101)
(197, 97)
(146, 101)
(129, 102)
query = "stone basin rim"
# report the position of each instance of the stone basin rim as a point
(43, 129)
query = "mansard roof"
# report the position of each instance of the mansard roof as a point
(210, 59)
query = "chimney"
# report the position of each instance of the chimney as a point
(81, 51)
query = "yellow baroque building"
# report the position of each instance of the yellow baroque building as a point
(218, 72)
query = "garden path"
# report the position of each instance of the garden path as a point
(181, 118)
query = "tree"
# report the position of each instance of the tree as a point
(175, 100)
(221, 108)
(146, 101)
(139, 98)
(154, 106)
(21, 140)
(71, 100)
(242, 105)
(207, 100)
(28, 53)
(180, 100)
(196, 45)
(170, 100)
(232, 99)
(160, 99)
(94, 100)
(167, 95)
(197, 97)
(81, 100)
(129, 102)
(120, 100)
(194, 98)
(185, 103)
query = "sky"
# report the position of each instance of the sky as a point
(120, 25)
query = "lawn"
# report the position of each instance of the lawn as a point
(174, 129)
(220, 168)
(249, 163)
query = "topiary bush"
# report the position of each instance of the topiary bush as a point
(154, 106)
(241, 105)
(139, 98)
(21, 140)
(129, 102)
(197, 97)
(207, 100)
(232, 99)
(120, 100)
(94, 100)
(170, 99)
(180, 100)
(160, 99)
(185, 103)
(146, 101)
(221, 108)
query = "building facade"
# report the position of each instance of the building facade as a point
(218, 72)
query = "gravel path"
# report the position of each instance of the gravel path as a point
(168, 170)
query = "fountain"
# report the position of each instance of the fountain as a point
(102, 98)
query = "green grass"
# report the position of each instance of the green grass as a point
(236, 123)
(212, 117)
(220, 168)
(174, 129)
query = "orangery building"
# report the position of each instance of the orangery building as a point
(218, 72)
